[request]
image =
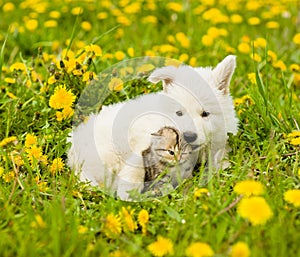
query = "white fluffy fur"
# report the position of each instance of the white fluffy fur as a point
(106, 150)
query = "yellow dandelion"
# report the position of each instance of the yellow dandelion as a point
(85, 25)
(11, 95)
(207, 40)
(112, 225)
(115, 84)
(254, 21)
(94, 49)
(272, 56)
(182, 39)
(296, 39)
(88, 76)
(77, 10)
(256, 57)
(8, 7)
(272, 25)
(31, 24)
(17, 66)
(199, 249)
(176, 7)
(50, 24)
(294, 67)
(249, 187)
(8, 140)
(102, 15)
(128, 223)
(10, 80)
(130, 52)
(279, 65)
(1, 171)
(293, 196)
(8, 177)
(183, 57)
(252, 78)
(149, 19)
(61, 98)
(161, 247)
(57, 165)
(119, 55)
(200, 192)
(145, 68)
(244, 48)
(54, 14)
(82, 229)
(30, 140)
(143, 219)
(67, 112)
(236, 18)
(297, 79)
(260, 42)
(34, 153)
(255, 209)
(240, 249)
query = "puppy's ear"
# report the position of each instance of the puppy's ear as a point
(223, 73)
(165, 74)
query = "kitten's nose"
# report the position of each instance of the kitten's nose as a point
(189, 136)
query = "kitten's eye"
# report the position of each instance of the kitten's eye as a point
(205, 114)
(171, 152)
(179, 113)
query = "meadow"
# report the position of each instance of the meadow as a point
(51, 50)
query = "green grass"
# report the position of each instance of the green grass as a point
(53, 214)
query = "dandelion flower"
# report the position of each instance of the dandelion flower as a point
(279, 65)
(200, 192)
(8, 7)
(293, 196)
(176, 7)
(255, 209)
(115, 84)
(30, 140)
(61, 98)
(85, 25)
(57, 165)
(254, 21)
(296, 39)
(128, 222)
(8, 140)
(249, 187)
(112, 225)
(240, 249)
(17, 66)
(161, 247)
(143, 219)
(199, 249)
(31, 24)
(10, 80)
(244, 48)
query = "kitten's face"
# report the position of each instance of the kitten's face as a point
(170, 146)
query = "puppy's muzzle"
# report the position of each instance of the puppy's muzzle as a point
(189, 136)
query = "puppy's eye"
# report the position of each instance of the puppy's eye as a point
(179, 113)
(205, 114)
(171, 152)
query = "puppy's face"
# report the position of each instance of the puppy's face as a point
(204, 108)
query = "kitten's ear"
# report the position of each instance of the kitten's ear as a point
(165, 74)
(223, 73)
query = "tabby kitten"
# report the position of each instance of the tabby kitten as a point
(167, 161)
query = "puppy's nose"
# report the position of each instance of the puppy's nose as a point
(189, 136)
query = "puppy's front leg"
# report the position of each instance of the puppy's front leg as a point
(131, 178)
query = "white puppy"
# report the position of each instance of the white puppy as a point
(106, 150)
